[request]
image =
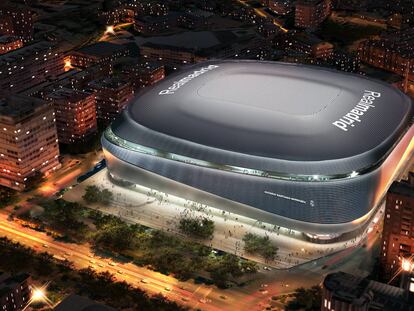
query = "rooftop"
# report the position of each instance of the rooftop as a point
(79, 303)
(68, 95)
(274, 110)
(360, 291)
(19, 106)
(108, 83)
(195, 40)
(27, 51)
(102, 49)
(405, 187)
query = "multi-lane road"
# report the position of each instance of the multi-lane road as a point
(186, 293)
(254, 296)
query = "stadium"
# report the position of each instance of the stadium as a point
(301, 147)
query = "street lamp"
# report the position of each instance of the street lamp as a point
(407, 265)
(38, 294)
(110, 30)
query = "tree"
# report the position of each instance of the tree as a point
(34, 181)
(7, 196)
(255, 244)
(115, 234)
(198, 227)
(306, 299)
(94, 195)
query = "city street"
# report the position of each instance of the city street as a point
(249, 297)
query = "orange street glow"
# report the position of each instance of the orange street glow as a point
(68, 64)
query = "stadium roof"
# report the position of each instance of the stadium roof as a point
(252, 114)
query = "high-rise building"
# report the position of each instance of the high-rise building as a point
(15, 291)
(33, 64)
(311, 13)
(112, 96)
(28, 140)
(75, 115)
(398, 234)
(17, 22)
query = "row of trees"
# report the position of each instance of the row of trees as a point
(146, 247)
(167, 253)
(64, 279)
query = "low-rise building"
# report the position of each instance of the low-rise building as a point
(15, 291)
(392, 52)
(343, 292)
(196, 46)
(304, 43)
(9, 43)
(98, 53)
(79, 303)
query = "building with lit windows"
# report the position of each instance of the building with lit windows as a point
(142, 74)
(103, 53)
(75, 115)
(17, 22)
(112, 95)
(306, 148)
(392, 52)
(311, 13)
(9, 43)
(30, 65)
(28, 140)
(398, 232)
(344, 292)
(15, 291)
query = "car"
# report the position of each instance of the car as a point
(167, 288)
(267, 269)
(92, 262)
(45, 245)
(223, 297)
(119, 272)
(145, 281)
(185, 299)
(112, 264)
(100, 265)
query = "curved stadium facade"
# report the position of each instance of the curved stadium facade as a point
(301, 147)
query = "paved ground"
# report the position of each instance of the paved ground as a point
(162, 211)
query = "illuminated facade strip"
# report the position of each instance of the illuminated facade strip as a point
(110, 136)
